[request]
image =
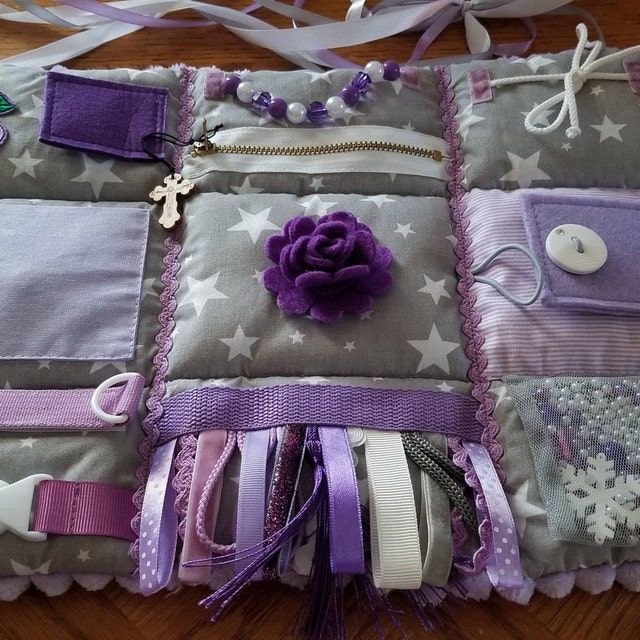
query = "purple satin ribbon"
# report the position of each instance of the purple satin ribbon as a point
(254, 408)
(158, 523)
(252, 496)
(503, 566)
(345, 523)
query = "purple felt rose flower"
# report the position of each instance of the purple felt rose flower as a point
(327, 269)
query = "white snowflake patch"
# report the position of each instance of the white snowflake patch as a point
(602, 498)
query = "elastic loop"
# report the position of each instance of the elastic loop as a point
(98, 393)
(500, 288)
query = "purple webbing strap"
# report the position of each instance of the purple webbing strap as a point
(59, 409)
(249, 409)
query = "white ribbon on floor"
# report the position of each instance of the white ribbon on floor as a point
(97, 24)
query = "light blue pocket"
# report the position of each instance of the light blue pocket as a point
(71, 281)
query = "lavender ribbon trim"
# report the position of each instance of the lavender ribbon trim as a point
(252, 496)
(345, 524)
(159, 523)
(503, 566)
(250, 409)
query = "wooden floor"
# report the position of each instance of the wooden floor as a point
(268, 612)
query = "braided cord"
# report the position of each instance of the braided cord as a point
(440, 469)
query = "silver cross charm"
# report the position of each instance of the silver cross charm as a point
(174, 184)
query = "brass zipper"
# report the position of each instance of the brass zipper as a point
(206, 147)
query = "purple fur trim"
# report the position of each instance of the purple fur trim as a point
(470, 324)
(327, 269)
(168, 300)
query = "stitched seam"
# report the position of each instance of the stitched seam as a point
(165, 319)
(470, 325)
(73, 512)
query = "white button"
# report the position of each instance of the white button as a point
(576, 249)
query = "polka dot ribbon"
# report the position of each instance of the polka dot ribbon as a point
(503, 566)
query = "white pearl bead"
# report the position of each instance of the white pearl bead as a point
(336, 106)
(245, 92)
(375, 71)
(296, 113)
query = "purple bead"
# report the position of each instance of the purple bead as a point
(350, 95)
(317, 113)
(391, 70)
(231, 83)
(361, 82)
(277, 108)
(261, 100)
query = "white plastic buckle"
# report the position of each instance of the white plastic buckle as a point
(15, 507)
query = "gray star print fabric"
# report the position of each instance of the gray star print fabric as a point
(229, 330)
(228, 324)
(500, 153)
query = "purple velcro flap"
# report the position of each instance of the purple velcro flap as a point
(615, 288)
(632, 67)
(102, 116)
(480, 85)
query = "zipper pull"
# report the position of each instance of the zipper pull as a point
(203, 146)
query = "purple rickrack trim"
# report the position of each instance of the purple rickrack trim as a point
(168, 300)
(235, 408)
(470, 325)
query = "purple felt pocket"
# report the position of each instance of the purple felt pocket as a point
(102, 116)
(614, 289)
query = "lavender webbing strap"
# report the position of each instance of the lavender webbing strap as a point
(234, 409)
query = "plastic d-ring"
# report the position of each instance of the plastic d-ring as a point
(97, 396)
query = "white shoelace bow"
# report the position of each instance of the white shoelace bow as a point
(574, 80)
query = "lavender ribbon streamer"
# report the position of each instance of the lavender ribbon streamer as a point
(252, 496)
(158, 523)
(345, 523)
(503, 567)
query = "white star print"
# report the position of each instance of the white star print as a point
(27, 443)
(25, 164)
(379, 200)
(443, 386)
(408, 127)
(348, 114)
(24, 570)
(349, 346)
(246, 187)
(541, 118)
(257, 275)
(314, 206)
(315, 76)
(7, 385)
(188, 259)
(103, 364)
(37, 108)
(435, 289)
(522, 509)
(566, 146)
(201, 291)
(397, 85)
(501, 395)
(313, 380)
(466, 120)
(452, 239)
(597, 90)
(404, 230)
(97, 174)
(297, 337)
(535, 62)
(239, 345)
(317, 183)
(366, 315)
(148, 288)
(524, 170)
(44, 364)
(83, 556)
(609, 130)
(254, 223)
(434, 351)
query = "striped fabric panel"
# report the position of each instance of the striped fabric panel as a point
(539, 340)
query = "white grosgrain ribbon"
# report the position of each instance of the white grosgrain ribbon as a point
(305, 46)
(573, 80)
(396, 561)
